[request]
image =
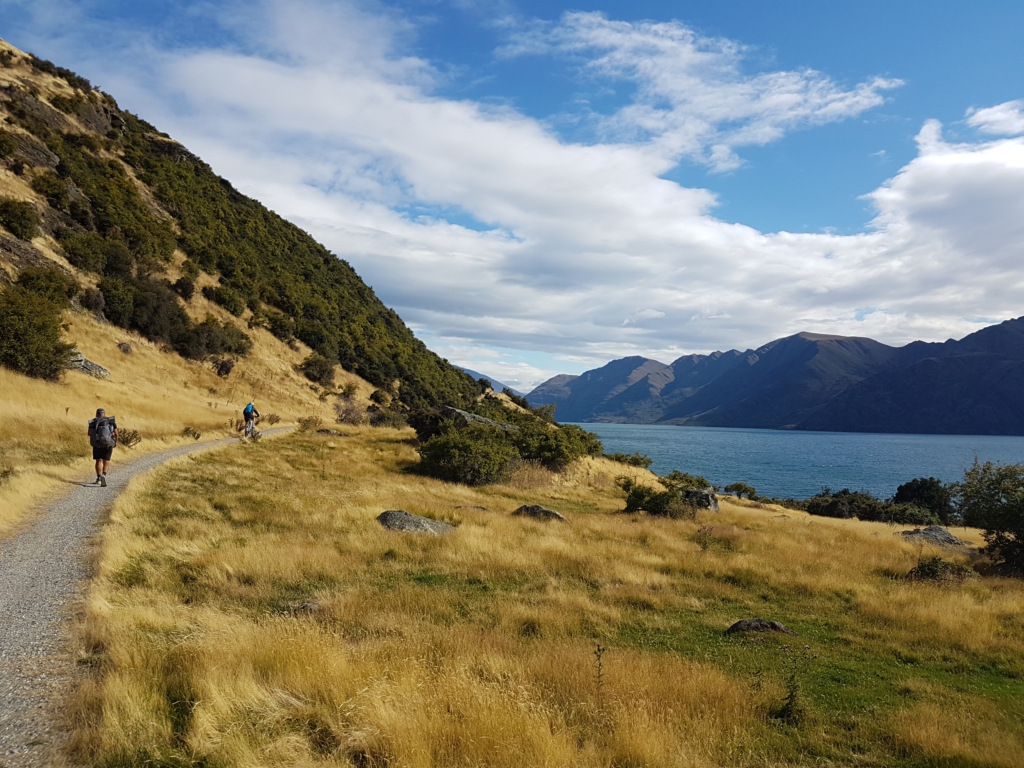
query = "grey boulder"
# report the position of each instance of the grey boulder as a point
(537, 512)
(77, 362)
(937, 535)
(758, 625)
(702, 498)
(400, 520)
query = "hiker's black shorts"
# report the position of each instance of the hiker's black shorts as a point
(99, 452)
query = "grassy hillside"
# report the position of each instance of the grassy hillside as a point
(89, 183)
(250, 611)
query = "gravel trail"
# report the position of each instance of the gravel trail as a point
(42, 570)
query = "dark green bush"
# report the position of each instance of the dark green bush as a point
(554, 448)
(908, 514)
(474, 455)
(632, 459)
(643, 498)
(30, 328)
(184, 288)
(118, 301)
(846, 504)
(75, 81)
(8, 146)
(319, 369)
(95, 253)
(428, 422)
(929, 493)
(50, 283)
(936, 569)
(55, 190)
(20, 219)
(228, 298)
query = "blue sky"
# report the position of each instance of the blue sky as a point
(540, 187)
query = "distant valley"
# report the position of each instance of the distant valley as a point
(814, 382)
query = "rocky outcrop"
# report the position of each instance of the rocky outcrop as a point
(703, 498)
(78, 362)
(758, 625)
(537, 512)
(465, 418)
(400, 520)
(937, 535)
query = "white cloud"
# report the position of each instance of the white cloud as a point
(1006, 119)
(692, 99)
(315, 110)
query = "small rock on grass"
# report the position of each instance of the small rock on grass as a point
(400, 520)
(537, 512)
(758, 625)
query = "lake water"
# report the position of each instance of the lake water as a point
(790, 464)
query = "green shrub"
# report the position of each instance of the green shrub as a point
(95, 253)
(643, 498)
(50, 283)
(908, 514)
(30, 328)
(228, 298)
(554, 448)
(846, 504)
(632, 459)
(519, 400)
(20, 219)
(929, 493)
(936, 569)
(319, 369)
(8, 146)
(184, 287)
(474, 455)
(55, 190)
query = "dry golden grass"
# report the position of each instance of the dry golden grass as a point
(43, 424)
(250, 611)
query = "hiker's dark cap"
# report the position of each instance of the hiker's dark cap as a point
(100, 411)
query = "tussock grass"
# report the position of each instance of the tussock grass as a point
(250, 611)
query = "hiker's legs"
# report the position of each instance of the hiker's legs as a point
(106, 466)
(99, 467)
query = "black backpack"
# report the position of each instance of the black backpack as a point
(103, 433)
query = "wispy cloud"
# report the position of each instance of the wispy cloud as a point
(692, 98)
(1006, 119)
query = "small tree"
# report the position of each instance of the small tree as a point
(991, 497)
(30, 327)
(741, 488)
(474, 455)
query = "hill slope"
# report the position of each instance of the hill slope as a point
(125, 204)
(817, 382)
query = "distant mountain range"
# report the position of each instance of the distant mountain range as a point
(496, 385)
(814, 382)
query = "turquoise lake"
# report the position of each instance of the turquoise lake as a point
(799, 464)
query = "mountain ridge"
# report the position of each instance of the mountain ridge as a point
(814, 381)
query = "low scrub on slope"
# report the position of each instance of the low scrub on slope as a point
(250, 610)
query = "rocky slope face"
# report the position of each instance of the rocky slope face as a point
(817, 382)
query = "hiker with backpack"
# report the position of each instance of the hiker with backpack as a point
(103, 438)
(250, 414)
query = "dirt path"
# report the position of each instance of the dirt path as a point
(42, 570)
